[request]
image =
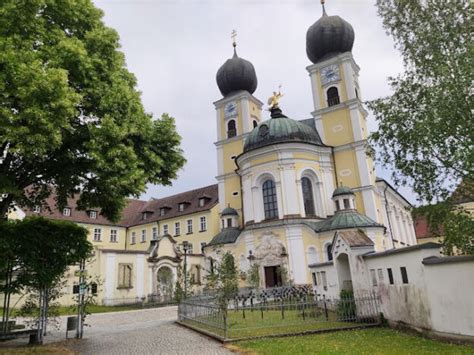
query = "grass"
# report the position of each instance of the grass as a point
(253, 325)
(363, 341)
(69, 310)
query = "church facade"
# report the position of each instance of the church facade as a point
(285, 187)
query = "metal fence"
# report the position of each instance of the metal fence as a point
(151, 300)
(279, 311)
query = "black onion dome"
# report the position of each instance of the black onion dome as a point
(327, 37)
(236, 74)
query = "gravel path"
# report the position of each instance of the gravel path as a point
(149, 331)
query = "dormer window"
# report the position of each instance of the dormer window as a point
(36, 209)
(144, 215)
(93, 214)
(182, 206)
(66, 212)
(202, 202)
(162, 211)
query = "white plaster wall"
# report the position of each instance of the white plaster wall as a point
(110, 275)
(450, 289)
(140, 261)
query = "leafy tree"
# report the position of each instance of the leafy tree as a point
(254, 276)
(71, 117)
(426, 127)
(43, 249)
(180, 291)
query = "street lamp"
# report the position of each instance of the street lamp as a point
(185, 249)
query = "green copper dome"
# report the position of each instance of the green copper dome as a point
(342, 190)
(280, 129)
(229, 211)
(344, 220)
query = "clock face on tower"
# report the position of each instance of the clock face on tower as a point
(329, 74)
(230, 109)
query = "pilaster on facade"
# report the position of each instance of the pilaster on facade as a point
(296, 254)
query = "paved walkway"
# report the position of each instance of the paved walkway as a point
(149, 331)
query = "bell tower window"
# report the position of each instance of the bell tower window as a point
(231, 130)
(333, 96)
(307, 196)
(270, 204)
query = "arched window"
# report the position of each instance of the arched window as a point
(333, 96)
(308, 199)
(328, 251)
(231, 131)
(270, 204)
(255, 123)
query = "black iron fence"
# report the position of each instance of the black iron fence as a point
(150, 300)
(281, 311)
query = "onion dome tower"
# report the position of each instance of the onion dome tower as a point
(328, 37)
(236, 74)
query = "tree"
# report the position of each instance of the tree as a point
(43, 249)
(71, 118)
(180, 291)
(425, 127)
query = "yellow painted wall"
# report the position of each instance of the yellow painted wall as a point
(332, 134)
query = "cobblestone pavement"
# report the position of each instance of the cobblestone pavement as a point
(149, 331)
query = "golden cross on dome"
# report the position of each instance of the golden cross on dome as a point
(233, 35)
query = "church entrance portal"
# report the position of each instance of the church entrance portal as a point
(272, 276)
(165, 283)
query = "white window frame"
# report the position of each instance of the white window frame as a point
(177, 228)
(143, 237)
(189, 227)
(165, 229)
(37, 209)
(66, 211)
(181, 207)
(202, 202)
(154, 233)
(93, 214)
(203, 223)
(113, 235)
(133, 238)
(97, 234)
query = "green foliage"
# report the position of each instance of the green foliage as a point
(71, 117)
(180, 291)
(426, 126)
(346, 306)
(254, 276)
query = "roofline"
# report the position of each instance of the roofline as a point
(379, 179)
(429, 245)
(184, 192)
(435, 260)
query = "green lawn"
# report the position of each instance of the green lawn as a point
(363, 341)
(272, 322)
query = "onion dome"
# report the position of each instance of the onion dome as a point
(236, 74)
(342, 190)
(229, 211)
(281, 129)
(327, 37)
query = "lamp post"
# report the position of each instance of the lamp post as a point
(185, 249)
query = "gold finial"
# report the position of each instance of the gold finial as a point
(275, 98)
(324, 9)
(233, 35)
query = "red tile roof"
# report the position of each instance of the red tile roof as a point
(132, 214)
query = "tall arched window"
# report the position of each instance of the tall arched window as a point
(333, 96)
(270, 204)
(328, 251)
(308, 199)
(231, 131)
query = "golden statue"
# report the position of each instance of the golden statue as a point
(275, 98)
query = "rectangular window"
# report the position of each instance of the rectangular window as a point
(37, 209)
(143, 240)
(154, 233)
(203, 244)
(97, 234)
(229, 222)
(403, 271)
(125, 276)
(93, 214)
(190, 226)
(162, 211)
(314, 279)
(190, 248)
(203, 223)
(133, 239)
(373, 276)
(346, 204)
(67, 212)
(202, 202)
(181, 207)
(75, 289)
(177, 228)
(390, 276)
(165, 229)
(94, 289)
(380, 274)
(325, 281)
(318, 278)
(113, 236)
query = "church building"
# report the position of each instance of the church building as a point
(286, 188)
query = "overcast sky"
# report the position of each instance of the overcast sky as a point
(175, 48)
